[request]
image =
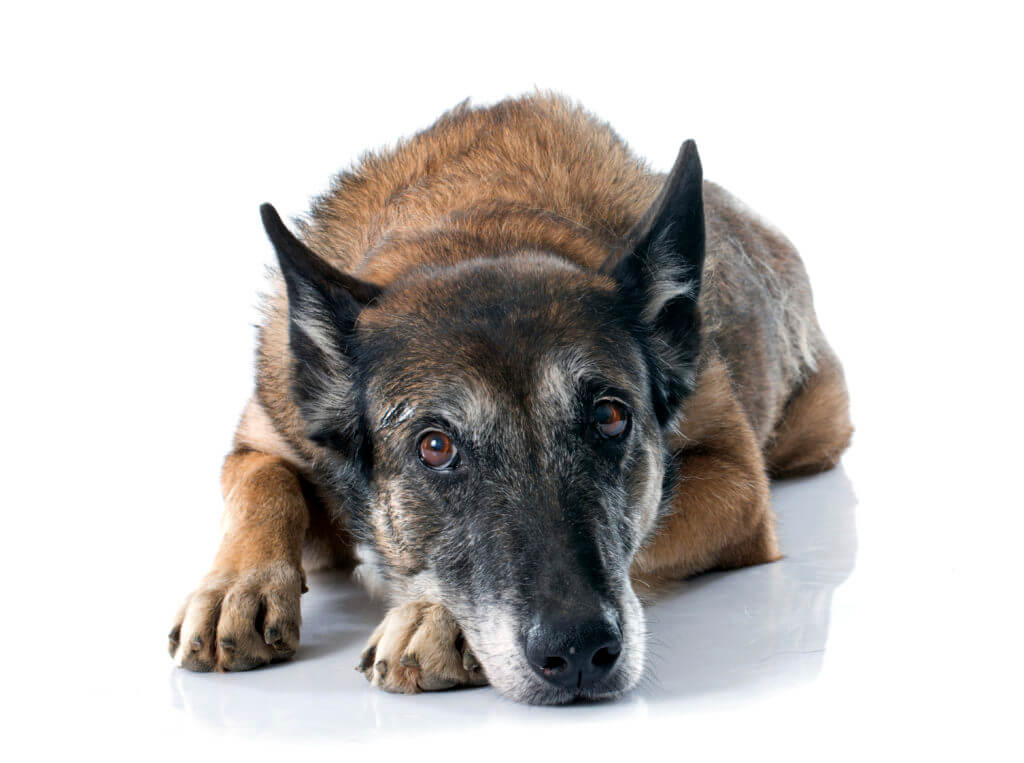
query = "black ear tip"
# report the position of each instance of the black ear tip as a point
(688, 154)
(271, 219)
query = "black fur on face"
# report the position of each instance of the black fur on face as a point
(539, 515)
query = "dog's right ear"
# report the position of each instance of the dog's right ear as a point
(323, 305)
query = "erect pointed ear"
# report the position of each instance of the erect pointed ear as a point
(323, 302)
(660, 278)
(323, 305)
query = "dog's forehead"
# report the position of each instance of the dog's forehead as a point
(481, 341)
(549, 379)
(492, 290)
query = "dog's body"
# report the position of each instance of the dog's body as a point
(505, 282)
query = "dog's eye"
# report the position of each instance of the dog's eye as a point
(437, 450)
(611, 418)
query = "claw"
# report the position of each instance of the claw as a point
(227, 644)
(194, 663)
(273, 637)
(366, 658)
(382, 668)
(409, 661)
(470, 662)
(174, 639)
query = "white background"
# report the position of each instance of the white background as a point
(137, 142)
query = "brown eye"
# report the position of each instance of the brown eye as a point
(611, 418)
(437, 450)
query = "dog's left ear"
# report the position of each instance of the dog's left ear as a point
(660, 278)
(323, 306)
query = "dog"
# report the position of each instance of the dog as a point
(514, 374)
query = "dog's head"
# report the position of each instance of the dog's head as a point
(504, 419)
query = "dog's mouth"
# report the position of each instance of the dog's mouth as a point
(601, 691)
(574, 690)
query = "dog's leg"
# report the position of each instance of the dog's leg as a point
(245, 612)
(419, 647)
(720, 515)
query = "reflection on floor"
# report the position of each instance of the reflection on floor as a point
(723, 634)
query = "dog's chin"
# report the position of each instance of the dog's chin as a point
(528, 688)
(545, 694)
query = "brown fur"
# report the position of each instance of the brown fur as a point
(722, 516)
(535, 174)
(815, 428)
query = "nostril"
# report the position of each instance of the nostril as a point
(575, 655)
(554, 666)
(606, 656)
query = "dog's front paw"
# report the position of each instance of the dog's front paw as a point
(238, 621)
(419, 647)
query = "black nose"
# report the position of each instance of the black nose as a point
(573, 655)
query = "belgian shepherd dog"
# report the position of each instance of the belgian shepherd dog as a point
(513, 373)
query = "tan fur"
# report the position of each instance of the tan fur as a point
(419, 647)
(257, 570)
(326, 544)
(256, 432)
(536, 174)
(815, 428)
(721, 513)
(267, 513)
